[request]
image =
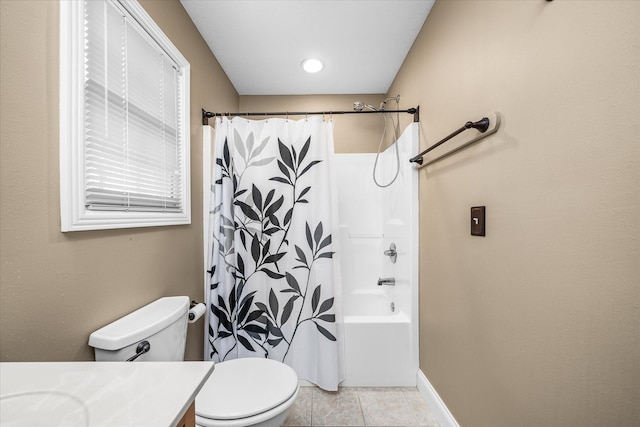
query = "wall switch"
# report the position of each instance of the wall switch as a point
(477, 221)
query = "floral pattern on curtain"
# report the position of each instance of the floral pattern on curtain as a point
(273, 279)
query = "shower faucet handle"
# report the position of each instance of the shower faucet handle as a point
(392, 253)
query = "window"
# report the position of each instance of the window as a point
(124, 112)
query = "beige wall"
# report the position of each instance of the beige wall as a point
(56, 288)
(538, 322)
(352, 134)
(534, 324)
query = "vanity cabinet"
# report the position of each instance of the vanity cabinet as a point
(189, 419)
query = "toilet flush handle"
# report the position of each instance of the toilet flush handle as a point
(142, 348)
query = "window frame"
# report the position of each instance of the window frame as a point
(74, 215)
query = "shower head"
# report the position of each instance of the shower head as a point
(359, 106)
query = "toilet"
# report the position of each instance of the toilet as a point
(241, 392)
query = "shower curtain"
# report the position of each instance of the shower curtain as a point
(272, 278)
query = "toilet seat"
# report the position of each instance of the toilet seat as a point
(245, 388)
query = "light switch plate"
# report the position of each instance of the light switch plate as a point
(478, 220)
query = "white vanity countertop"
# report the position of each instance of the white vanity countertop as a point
(100, 393)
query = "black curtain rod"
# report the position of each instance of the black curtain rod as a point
(482, 125)
(206, 115)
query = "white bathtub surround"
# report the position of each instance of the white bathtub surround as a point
(273, 279)
(439, 409)
(372, 303)
(381, 343)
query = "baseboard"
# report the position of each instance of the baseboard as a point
(437, 406)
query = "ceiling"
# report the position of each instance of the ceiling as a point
(260, 44)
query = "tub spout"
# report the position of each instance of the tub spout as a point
(389, 281)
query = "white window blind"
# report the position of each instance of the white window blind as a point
(132, 160)
(124, 119)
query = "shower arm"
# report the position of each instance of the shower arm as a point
(482, 125)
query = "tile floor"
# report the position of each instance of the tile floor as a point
(354, 406)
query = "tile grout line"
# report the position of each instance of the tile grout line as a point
(414, 413)
(364, 422)
(311, 416)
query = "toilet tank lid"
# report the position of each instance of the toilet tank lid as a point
(140, 324)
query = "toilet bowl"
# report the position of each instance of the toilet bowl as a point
(255, 392)
(240, 392)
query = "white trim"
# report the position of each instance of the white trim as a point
(437, 406)
(73, 214)
(149, 25)
(70, 108)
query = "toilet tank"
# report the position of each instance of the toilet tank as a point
(163, 323)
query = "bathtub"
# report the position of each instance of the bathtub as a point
(368, 304)
(377, 342)
(381, 343)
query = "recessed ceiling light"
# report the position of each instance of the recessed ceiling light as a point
(312, 65)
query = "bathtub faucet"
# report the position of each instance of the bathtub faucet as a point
(389, 281)
(392, 253)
